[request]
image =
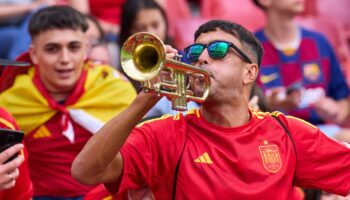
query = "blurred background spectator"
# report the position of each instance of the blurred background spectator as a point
(300, 72)
(98, 48)
(14, 19)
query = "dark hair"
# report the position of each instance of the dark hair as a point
(247, 39)
(129, 12)
(57, 17)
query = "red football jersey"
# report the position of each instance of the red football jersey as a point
(253, 161)
(23, 190)
(98, 193)
(47, 141)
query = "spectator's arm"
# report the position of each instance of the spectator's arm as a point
(333, 111)
(278, 99)
(344, 112)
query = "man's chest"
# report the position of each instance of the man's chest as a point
(250, 165)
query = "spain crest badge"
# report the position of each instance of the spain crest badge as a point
(271, 158)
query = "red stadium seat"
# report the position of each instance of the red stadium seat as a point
(337, 10)
(332, 30)
(176, 11)
(184, 31)
(243, 12)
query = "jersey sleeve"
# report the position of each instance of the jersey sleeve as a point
(99, 192)
(147, 156)
(7, 121)
(322, 162)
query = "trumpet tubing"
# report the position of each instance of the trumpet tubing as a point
(143, 59)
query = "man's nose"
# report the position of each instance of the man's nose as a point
(203, 58)
(65, 56)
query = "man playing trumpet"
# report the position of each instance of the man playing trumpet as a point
(223, 150)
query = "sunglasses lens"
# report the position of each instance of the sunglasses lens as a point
(218, 49)
(193, 52)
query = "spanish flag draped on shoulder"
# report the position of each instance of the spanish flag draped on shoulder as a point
(100, 94)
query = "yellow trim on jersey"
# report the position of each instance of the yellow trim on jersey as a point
(259, 114)
(108, 198)
(301, 120)
(177, 116)
(276, 113)
(155, 119)
(192, 111)
(7, 123)
(198, 113)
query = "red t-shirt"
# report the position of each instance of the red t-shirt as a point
(51, 156)
(97, 193)
(253, 161)
(23, 190)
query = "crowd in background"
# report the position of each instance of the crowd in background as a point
(326, 31)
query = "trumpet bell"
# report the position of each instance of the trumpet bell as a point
(142, 56)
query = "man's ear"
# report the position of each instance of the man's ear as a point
(251, 73)
(33, 54)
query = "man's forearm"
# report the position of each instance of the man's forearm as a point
(91, 165)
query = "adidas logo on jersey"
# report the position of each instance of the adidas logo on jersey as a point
(204, 158)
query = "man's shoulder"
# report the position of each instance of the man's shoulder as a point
(164, 121)
(295, 125)
(170, 123)
(168, 131)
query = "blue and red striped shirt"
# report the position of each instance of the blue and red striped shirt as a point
(313, 65)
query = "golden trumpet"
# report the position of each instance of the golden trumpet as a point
(143, 58)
